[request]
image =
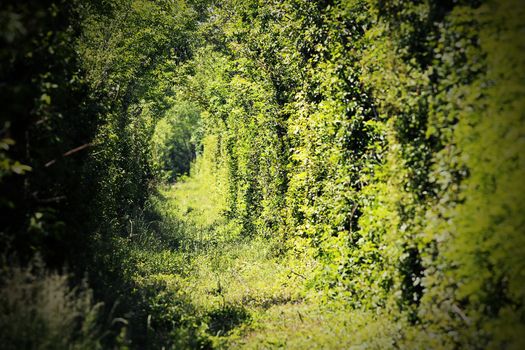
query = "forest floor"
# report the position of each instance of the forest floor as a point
(238, 291)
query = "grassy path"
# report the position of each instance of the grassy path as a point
(236, 281)
(235, 291)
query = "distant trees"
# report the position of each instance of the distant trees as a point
(175, 141)
(130, 51)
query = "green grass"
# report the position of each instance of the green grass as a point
(217, 288)
(312, 325)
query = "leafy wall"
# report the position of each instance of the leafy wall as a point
(385, 139)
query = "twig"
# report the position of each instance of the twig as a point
(68, 153)
(352, 216)
(297, 274)
(461, 314)
(51, 200)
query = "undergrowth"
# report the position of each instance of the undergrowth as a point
(40, 310)
(206, 284)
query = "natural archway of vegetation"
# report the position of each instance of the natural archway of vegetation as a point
(335, 174)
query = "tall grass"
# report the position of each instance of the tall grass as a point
(40, 310)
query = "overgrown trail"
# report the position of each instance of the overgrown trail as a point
(238, 291)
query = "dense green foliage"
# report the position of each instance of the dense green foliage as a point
(217, 166)
(366, 133)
